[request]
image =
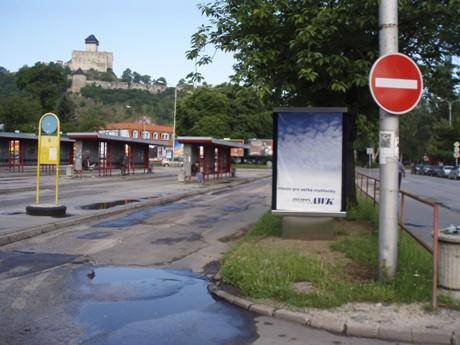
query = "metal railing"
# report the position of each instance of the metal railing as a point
(365, 182)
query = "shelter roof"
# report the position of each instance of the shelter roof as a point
(104, 137)
(211, 141)
(28, 136)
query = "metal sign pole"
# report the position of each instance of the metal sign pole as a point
(58, 161)
(37, 192)
(389, 131)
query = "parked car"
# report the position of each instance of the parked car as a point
(428, 169)
(454, 173)
(444, 170)
(417, 169)
(176, 162)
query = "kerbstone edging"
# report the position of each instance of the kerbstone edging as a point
(22, 234)
(344, 327)
(88, 181)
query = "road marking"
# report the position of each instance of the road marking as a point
(396, 83)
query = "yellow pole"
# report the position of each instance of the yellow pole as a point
(58, 158)
(37, 193)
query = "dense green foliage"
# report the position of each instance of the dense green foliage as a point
(134, 103)
(221, 111)
(32, 91)
(310, 53)
(224, 111)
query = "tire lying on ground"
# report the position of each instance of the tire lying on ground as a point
(46, 210)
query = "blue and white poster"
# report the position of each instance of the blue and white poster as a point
(309, 162)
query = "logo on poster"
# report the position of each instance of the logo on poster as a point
(323, 201)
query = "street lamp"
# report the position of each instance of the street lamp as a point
(174, 122)
(449, 103)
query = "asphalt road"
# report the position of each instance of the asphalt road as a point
(418, 218)
(140, 278)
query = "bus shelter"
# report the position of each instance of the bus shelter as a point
(211, 157)
(18, 150)
(104, 152)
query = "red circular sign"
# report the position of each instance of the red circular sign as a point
(396, 83)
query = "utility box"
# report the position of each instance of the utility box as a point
(449, 260)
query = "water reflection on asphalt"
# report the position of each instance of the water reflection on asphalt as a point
(140, 216)
(139, 306)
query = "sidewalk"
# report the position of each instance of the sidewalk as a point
(16, 182)
(87, 201)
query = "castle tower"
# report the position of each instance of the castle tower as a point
(91, 57)
(91, 43)
(78, 81)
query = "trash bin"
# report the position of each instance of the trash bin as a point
(449, 259)
(68, 170)
(233, 172)
(181, 176)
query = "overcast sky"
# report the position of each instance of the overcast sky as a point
(148, 36)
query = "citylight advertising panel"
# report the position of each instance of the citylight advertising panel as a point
(309, 161)
(260, 147)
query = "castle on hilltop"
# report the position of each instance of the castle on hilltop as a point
(91, 58)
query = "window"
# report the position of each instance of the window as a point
(146, 135)
(155, 135)
(164, 136)
(135, 134)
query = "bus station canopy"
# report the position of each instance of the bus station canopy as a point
(105, 137)
(28, 136)
(211, 141)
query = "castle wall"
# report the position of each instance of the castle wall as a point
(99, 61)
(155, 88)
(79, 81)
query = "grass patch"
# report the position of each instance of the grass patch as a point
(364, 211)
(268, 225)
(263, 271)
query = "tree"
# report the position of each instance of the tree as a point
(306, 52)
(223, 111)
(127, 76)
(19, 112)
(146, 79)
(47, 82)
(136, 77)
(66, 109)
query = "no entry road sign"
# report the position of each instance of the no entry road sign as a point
(396, 83)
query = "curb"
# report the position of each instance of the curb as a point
(22, 234)
(344, 327)
(89, 181)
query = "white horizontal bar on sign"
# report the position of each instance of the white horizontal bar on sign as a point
(396, 83)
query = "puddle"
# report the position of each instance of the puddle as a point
(152, 306)
(139, 216)
(171, 240)
(95, 235)
(106, 205)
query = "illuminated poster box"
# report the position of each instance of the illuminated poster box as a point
(309, 170)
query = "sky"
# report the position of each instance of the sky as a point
(147, 36)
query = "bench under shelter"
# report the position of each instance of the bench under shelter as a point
(19, 150)
(209, 156)
(105, 152)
